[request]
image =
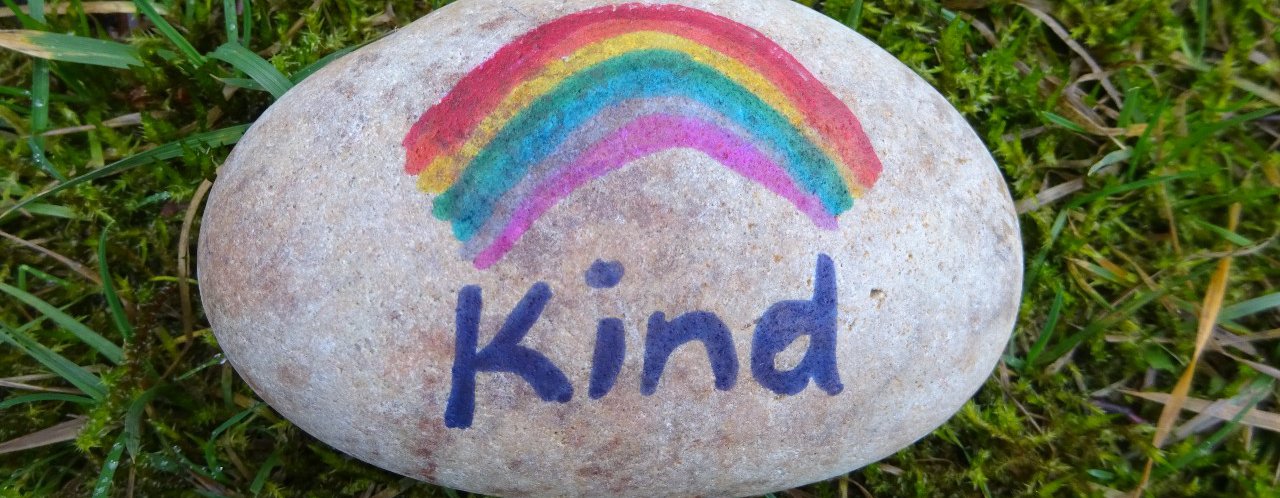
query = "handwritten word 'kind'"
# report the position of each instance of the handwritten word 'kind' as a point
(783, 323)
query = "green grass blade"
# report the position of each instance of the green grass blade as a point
(52, 211)
(36, 144)
(246, 25)
(37, 397)
(75, 374)
(70, 48)
(1125, 312)
(36, 8)
(1041, 257)
(254, 66)
(1204, 132)
(260, 478)
(1250, 307)
(1063, 122)
(24, 19)
(14, 91)
(1201, 15)
(230, 23)
(217, 359)
(169, 32)
(1230, 236)
(1038, 261)
(25, 270)
(177, 454)
(109, 350)
(109, 290)
(103, 487)
(77, 10)
(1126, 187)
(1101, 325)
(210, 446)
(855, 15)
(305, 72)
(1114, 157)
(244, 83)
(133, 421)
(40, 118)
(231, 422)
(1051, 323)
(171, 150)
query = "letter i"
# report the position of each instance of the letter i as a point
(611, 348)
(611, 342)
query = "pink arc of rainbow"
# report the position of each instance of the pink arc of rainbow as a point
(640, 138)
(767, 118)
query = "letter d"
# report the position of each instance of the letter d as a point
(786, 321)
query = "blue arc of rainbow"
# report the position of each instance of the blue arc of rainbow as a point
(591, 92)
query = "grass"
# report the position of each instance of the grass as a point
(1139, 136)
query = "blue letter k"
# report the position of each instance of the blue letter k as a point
(503, 354)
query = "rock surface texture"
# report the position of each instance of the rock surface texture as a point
(589, 248)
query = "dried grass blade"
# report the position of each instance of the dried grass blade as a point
(1208, 319)
(105, 7)
(77, 267)
(1253, 418)
(1075, 46)
(69, 48)
(184, 270)
(1262, 92)
(29, 387)
(64, 431)
(131, 119)
(33, 398)
(1246, 399)
(184, 249)
(1050, 195)
(1263, 368)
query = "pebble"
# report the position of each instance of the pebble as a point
(590, 248)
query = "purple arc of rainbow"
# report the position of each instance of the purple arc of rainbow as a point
(591, 92)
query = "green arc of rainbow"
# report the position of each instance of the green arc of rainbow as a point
(590, 92)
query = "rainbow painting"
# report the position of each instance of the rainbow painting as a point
(588, 93)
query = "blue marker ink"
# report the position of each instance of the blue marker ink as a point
(604, 274)
(786, 321)
(611, 349)
(611, 340)
(781, 325)
(664, 337)
(503, 354)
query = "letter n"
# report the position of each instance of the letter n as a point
(664, 337)
(786, 321)
(503, 354)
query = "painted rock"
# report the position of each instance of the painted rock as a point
(545, 247)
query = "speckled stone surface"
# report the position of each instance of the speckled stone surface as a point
(340, 295)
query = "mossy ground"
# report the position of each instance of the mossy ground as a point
(1136, 123)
